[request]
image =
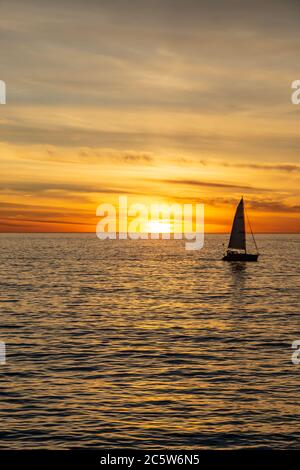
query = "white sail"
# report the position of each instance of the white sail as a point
(238, 237)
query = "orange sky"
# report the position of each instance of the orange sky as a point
(162, 104)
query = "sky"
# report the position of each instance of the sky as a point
(160, 100)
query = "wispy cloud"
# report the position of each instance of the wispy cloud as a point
(285, 167)
(274, 206)
(212, 184)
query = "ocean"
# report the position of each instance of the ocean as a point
(142, 344)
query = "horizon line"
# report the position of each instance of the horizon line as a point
(171, 233)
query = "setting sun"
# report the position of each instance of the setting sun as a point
(155, 226)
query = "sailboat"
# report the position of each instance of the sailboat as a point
(237, 244)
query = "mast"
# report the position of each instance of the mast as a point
(251, 231)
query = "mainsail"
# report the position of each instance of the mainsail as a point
(237, 237)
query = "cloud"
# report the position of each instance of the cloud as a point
(118, 54)
(159, 135)
(63, 191)
(21, 220)
(212, 184)
(286, 167)
(273, 206)
(53, 188)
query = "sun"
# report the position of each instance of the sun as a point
(155, 226)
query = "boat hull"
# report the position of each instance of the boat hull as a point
(240, 257)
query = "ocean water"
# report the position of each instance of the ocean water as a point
(142, 344)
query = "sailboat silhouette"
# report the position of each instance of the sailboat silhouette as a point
(237, 250)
